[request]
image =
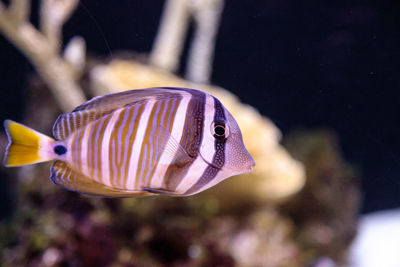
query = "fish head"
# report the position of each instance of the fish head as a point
(225, 140)
(237, 159)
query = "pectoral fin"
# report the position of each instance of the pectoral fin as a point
(173, 151)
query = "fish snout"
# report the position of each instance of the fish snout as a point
(251, 164)
(238, 163)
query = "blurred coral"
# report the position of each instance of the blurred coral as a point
(326, 210)
(43, 46)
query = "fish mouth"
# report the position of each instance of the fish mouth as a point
(249, 169)
(237, 171)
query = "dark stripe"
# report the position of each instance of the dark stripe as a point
(219, 157)
(190, 140)
(194, 124)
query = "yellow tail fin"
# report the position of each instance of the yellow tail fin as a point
(26, 146)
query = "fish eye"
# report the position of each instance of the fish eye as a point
(219, 130)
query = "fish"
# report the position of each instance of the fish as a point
(155, 141)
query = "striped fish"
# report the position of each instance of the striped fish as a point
(170, 141)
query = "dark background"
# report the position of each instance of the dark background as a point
(304, 64)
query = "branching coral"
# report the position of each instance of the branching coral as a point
(173, 27)
(43, 46)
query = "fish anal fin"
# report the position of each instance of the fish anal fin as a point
(64, 176)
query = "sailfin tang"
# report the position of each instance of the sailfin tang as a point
(26, 146)
(64, 176)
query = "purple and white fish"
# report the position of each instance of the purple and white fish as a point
(170, 141)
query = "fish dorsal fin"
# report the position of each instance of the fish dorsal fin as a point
(110, 102)
(70, 122)
(64, 176)
(102, 105)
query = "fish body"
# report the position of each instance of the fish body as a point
(172, 141)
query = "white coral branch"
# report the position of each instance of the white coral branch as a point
(19, 10)
(169, 41)
(207, 14)
(75, 54)
(53, 15)
(42, 48)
